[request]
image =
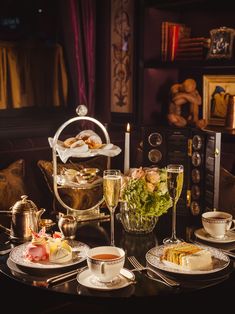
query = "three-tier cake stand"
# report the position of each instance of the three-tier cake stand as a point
(62, 153)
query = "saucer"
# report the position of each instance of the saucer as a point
(202, 234)
(88, 280)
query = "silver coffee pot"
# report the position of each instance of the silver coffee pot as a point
(25, 217)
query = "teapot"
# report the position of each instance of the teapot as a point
(25, 217)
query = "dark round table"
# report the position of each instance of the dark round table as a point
(30, 293)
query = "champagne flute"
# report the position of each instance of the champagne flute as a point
(175, 179)
(111, 190)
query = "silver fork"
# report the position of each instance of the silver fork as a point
(140, 267)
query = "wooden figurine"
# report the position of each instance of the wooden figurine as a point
(184, 105)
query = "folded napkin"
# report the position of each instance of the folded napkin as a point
(109, 150)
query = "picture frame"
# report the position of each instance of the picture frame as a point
(216, 92)
(221, 43)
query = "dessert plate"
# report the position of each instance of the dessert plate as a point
(88, 280)
(79, 250)
(219, 261)
(203, 235)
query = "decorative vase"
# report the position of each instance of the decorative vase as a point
(136, 223)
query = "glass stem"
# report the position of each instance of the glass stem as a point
(112, 227)
(173, 236)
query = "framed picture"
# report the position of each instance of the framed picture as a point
(216, 92)
(221, 45)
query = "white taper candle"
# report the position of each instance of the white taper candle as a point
(127, 149)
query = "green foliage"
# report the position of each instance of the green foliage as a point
(144, 201)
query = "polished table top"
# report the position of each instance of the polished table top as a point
(96, 233)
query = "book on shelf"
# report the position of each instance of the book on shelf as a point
(189, 49)
(192, 47)
(189, 55)
(188, 58)
(172, 33)
(193, 40)
(192, 44)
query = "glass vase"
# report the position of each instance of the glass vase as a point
(134, 222)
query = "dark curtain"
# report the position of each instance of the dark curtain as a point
(78, 18)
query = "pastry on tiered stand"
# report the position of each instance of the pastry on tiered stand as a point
(86, 138)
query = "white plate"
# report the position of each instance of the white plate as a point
(203, 235)
(88, 280)
(79, 250)
(220, 261)
(64, 153)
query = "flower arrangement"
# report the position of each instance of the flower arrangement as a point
(145, 196)
(145, 191)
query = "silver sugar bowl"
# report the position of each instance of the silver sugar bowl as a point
(68, 226)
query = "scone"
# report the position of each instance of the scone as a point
(69, 141)
(85, 134)
(92, 139)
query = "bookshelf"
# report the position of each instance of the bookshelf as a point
(156, 73)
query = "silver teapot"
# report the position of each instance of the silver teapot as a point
(25, 217)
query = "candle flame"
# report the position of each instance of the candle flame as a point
(128, 128)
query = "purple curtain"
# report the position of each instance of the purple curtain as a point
(79, 36)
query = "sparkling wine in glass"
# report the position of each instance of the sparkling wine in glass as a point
(175, 179)
(111, 190)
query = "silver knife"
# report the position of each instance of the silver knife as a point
(68, 275)
(61, 277)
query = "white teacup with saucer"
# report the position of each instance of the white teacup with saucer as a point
(217, 223)
(105, 262)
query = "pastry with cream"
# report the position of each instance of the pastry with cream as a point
(37, 250)
(187, 256)
(60, 251)
(48, 248)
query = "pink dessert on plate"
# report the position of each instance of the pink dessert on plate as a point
(37, 249)
(53, 249)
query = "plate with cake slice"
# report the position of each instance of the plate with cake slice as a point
(187, 258)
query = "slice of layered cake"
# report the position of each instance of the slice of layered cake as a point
(187, 256)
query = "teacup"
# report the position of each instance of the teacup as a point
(217, 223)
(105, 262)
